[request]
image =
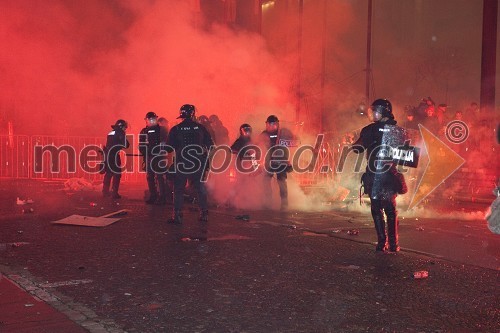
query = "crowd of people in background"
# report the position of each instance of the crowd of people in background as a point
(481, 125)
(435, 117)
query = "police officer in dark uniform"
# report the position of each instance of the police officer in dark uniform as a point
(382, 181)
(242, 141)
(276, 159)
(191, 142)
(152, 142)
(244, 150)
(115, 142)
(247, 166)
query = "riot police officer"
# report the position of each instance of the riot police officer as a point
(242, 141)
(382, 181)
(277, 157)
(191, 142)
(152, 141)
(116, 141)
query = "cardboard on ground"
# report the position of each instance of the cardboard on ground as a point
(89, 221)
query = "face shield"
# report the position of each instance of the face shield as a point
(375, 113)
(246, 131)
(151, 121)
(272, 126)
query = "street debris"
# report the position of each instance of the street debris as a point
(120, 212)
(420, 274)
(21, 202)
(244, 217)
(3, 246)
(154, 306)
(88, 221)
(225, 237)
(29, 305)
(309, 233)
(353, 232)
(336, 231)
(78, 184)
(93, 204)
(193, 239)
(65, 283)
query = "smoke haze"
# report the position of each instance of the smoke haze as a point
(82, 65)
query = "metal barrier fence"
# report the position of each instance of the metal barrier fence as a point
(14, 156)
(28, 157)
(24, 157)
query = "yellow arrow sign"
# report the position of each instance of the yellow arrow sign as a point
(443, 162)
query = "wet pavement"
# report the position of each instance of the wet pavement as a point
(277, 272)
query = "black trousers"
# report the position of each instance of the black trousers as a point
(281, 178)
(378, 208)
(180, 181)
(113, 172)
(155, 176)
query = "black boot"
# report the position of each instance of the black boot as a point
(381, 237)
(116, 186)
(176, 217)
(204, 215)
(161, 201)
(392, 233)
(152, 199)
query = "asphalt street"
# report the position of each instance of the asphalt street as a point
(277, 272)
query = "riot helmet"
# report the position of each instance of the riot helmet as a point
(272, 124)
(203, 120)
(382, 107)
(151, 118)
(120, 123)
(187, 111)
(245, 130)
(150, 115)
(272, 119)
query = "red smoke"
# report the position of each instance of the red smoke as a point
(73, 67)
